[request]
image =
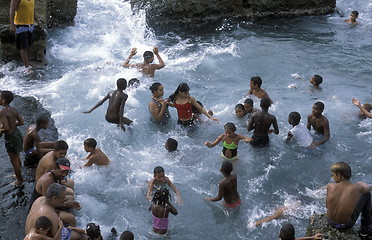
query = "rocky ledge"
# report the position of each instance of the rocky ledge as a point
(199, 11)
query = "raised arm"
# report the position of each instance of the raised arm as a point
(217, 141)
(131, 54)
(98, 104)
(364, 111)
(202, 110)
(161, 63)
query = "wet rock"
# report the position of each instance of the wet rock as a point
(319, 224)
(198, 11)
(51, 14)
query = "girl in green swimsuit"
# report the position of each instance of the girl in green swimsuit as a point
(230, 141)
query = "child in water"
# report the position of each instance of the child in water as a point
(240, 111)
(160, 208)
(160, 181)
(227, 189)
(92, 230)
(40, 231)
(230, 142)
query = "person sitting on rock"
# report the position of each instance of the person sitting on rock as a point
(345, 201)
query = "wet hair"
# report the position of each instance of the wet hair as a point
(158, 169)
(60, 145)
(127, 235)
(121, 83)
(227, 166)
(90, 142)
(265, 103)
(319, 105)
(239, 105)
(195, 110)
(295, 116)
(43, 223)
(161, 196)
(171, 144)
(287, 232)
(230, 125)
(342, 168)
(8, 96)
(367, 107)
(248, 101)
(133, 82)
(148, 55)
(257, 81)
(93, 231)
(356, 13)
(154, 87)
(41, 119)
(54, 190)
(318, 79)
(183, 87)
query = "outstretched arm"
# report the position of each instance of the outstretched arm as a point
(173, 187)
(244, 138)
(217, 141)
(364, 111)
(317, 236)
(98, 104)
(278, 212)
(202, 110)
(219, 196)
(131, 54)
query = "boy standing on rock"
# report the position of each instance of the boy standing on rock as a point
(9, 120)
(345, 201)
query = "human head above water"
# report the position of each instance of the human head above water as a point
(240, 110)
(230, 125)
(42, 121)
(183, 87)
(8, 96)
(355, 13)
(319, 105)
(60, 145)
(265, 103)
(148, 56)
(134, 82)
(127, 235)
(342, 168)
(161, 196)
(90, 142)
(154, 87)
(43, 223)
(294, 118)
(158, 169)
(287, 232)
(171, 145)
(316, 80)
(256, 81)
(226, 167)
(121, 83)
(93, 231)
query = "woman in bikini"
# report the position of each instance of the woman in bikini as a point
(183, 102)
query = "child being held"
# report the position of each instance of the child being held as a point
(41, 229)
(160, 208)
(95, 156)
(160, 181)
(230, 142)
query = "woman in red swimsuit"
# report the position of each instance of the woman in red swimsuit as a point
(183, 102)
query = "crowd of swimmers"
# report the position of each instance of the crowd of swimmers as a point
(52, 203)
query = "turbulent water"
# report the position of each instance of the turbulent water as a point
(85, 62)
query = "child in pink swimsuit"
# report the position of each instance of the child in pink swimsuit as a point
(160, 208)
